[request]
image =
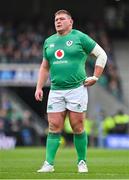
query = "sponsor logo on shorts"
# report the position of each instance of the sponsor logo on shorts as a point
(79, 106)
(49, 107)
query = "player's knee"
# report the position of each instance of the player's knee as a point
(78, 130)
(78, 127)
(54, 127)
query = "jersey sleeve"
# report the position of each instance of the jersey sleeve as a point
(44, 50)
(87, 43)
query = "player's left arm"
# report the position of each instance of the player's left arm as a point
(101, 59)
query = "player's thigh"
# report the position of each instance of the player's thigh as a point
(55, 102)
(56, 121)
(77, 121)
(77, 99)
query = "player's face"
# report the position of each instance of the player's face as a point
(63, 23)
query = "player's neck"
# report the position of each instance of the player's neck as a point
(63, 33)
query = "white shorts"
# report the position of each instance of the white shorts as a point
(74, 100)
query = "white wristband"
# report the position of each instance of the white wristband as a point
(92, 78)
(95, 78)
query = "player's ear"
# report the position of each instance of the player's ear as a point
(71, 21)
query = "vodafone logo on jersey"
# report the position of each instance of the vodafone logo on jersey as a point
(59, 54)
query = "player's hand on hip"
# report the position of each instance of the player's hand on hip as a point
(90, 81)
(39, 94)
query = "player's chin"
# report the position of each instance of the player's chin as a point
(59, 29)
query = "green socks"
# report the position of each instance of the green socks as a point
(80, 142)
(53, 142)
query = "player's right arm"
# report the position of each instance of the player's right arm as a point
(42, 78)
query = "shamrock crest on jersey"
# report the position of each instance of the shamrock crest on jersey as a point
(59, 54)
(69, 43)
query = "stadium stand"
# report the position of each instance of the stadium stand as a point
(21, 40)
(17, 119)
(22, 43)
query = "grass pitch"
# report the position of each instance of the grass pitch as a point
(22, 163)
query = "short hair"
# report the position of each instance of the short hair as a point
(62, 11)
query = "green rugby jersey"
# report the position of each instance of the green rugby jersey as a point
(66, 56)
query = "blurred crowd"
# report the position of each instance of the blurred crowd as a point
(20, 125)
(110, 79)
(116, 124)
(22, 43)
(15, 123)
